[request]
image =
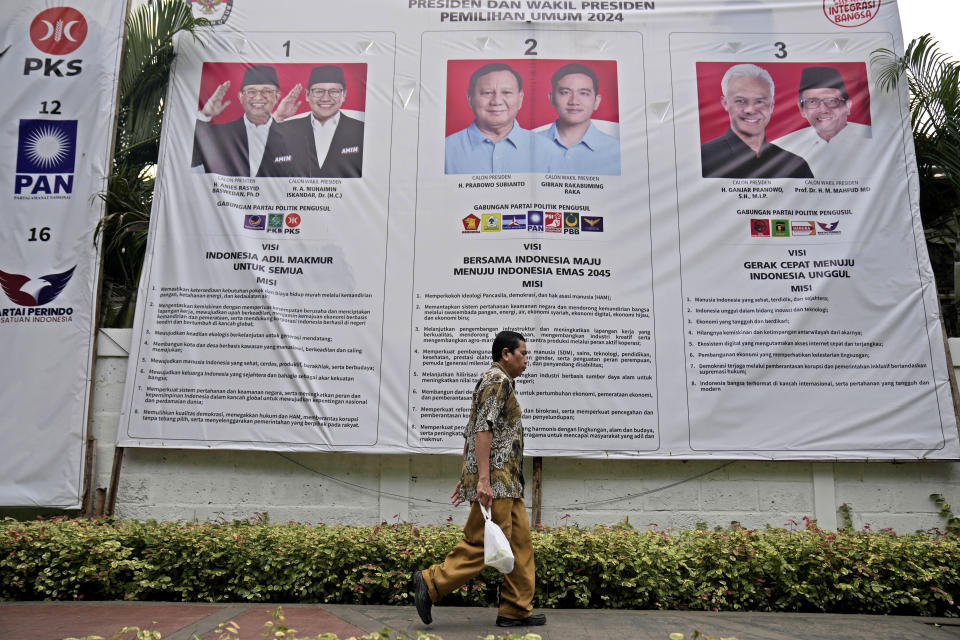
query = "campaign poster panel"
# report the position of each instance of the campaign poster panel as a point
(576, 173)
(263, 297)
(60, 70)
(542, 233)
(799, 200)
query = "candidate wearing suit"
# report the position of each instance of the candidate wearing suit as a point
(237, 148)
(325, 144)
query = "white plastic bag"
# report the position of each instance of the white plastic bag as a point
(496, 547)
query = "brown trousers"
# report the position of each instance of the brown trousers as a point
(466, 559)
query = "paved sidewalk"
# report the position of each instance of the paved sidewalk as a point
(178, 621)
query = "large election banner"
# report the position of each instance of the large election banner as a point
(59, 64)
(703, 218)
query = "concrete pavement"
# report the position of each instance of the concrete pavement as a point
(181, 621)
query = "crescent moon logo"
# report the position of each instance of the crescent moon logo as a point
(49, 27)
(66, 30)
(58, 31)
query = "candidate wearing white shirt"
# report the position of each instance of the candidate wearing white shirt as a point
(831, 145)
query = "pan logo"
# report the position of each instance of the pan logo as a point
(46, 156)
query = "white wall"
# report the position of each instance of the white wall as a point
(171, 484)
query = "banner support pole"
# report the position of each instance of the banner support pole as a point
(114, 480)
(537, 490)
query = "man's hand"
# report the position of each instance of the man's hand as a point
(215, 104)
(455, 498)
(484, 492)
(289, 105)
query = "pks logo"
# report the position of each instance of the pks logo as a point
(571, 223)
(491, 222)
(552, 222)
(829, 228)
(514, 222)
(471, 224)
(45, 149)
(34, 292)
(293, 220)
(534, 220)
(594, 225)
(216, 11)
(760, 228)
(58, 31)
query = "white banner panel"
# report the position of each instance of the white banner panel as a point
(60, 66)
(702, 263)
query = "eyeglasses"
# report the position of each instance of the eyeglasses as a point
(319, 93)
(266, 93)
(829, 103)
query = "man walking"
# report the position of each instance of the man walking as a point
(492, 475)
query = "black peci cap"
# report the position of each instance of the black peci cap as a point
(260, 74)
(822, 78)
(327, 73)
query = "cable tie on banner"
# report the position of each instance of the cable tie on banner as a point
(840, 44)
(660, 110)
(405, 101)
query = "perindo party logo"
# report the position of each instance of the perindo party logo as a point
(216, 11)
(46, 156)
(829, 228)
(31, 295)
(58, 31)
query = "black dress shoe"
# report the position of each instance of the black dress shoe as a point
(535, 620)
(421, 596)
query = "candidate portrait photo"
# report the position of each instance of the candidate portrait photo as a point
(280, 120)
(784, 120)
(532, 116)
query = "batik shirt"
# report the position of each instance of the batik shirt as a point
(495, 408)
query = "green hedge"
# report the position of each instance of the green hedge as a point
(607, 567)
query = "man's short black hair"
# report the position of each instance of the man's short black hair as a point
(570, 69)
(490, 68)
(508, 340)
